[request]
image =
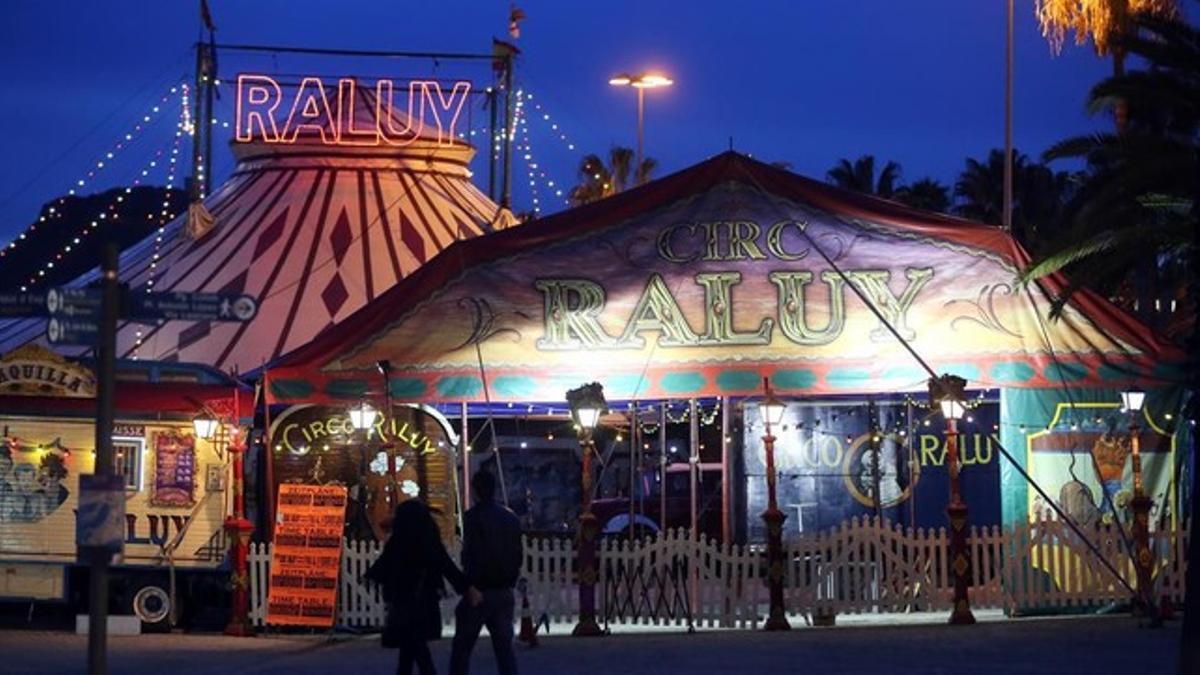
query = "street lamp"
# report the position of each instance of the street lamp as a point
(641, 83)
(363, 417)
(205, 426)
(771, 410)
(1133, 399)
(948, 392)
(587, 405)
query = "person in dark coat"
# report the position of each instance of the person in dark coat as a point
(492, 558)
(410, 569)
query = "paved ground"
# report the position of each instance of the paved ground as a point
(1078, 645)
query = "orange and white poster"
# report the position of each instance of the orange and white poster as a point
(307, 555)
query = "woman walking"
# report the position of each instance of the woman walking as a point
(411, 569)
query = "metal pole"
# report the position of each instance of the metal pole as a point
(465, 444)
(492, 103)
(206, 124)
(662, 462)
(509, 102)
(960, 554)
(641, 133)
(694, 467)
(632, 467)
(874, 441)
(586, 563)
(1008, 124)
(106, 375)
(194, 193)
(773, 519)
(726, 487)
(1144, 558)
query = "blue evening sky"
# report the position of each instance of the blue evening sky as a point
(804, 81)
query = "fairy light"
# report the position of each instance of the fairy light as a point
(103, 162)
(553, 125)
(165, 215)
(108, 212)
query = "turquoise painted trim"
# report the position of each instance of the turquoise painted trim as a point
(291, 389)
(905, 374)
(967, 371)
(846, 378)
(682, 383)
(1065, 372)
(625, 386)
(1012, 371)
(1113, 373)
(517, 386)
(347, 389)
(408, 387)
(459, 386)
(799, 378)
(738, 380)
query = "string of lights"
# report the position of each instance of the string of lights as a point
(96, 167)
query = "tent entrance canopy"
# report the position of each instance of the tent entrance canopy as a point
(704, 282)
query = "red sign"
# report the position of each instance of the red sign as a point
(307, 555)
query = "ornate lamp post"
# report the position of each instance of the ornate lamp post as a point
(947, 392)
(771, 410)
(1143, 558)
(587, 405)
(237, 527)
(362, 417)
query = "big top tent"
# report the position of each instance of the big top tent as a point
(313, 231)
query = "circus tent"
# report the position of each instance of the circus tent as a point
(704, 282)
(315, 232)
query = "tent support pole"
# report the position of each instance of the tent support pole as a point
(726, 487)
(465, 447)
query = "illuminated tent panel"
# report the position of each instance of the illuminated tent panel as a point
(314, 232)
(705, 282)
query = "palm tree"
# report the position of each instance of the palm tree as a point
(1038, 195)
(926, 194)
(859, 176)
(598, 180)
(1136, 206)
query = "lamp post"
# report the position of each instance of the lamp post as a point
(1143, 558)
(587, 405)
(771, 409)
(641, 83)
(947, 392)
(237, 527)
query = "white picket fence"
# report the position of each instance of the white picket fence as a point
(863, 566)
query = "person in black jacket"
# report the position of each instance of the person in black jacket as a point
(492, 560)
(411, 568)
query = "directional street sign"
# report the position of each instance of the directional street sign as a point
(192, 306)
(32, 303)
(72, 331)
(74, 303)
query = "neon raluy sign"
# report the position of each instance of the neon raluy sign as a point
(259, 110)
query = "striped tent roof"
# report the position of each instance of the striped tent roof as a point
(314, 232)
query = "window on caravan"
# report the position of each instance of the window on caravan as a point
(127, 460)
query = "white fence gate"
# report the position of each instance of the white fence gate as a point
(863, 566)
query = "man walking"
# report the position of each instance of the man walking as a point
(492, 559)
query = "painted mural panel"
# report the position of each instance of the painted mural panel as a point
(826, 458)
(40, 464)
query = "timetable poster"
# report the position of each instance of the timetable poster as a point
(307, 555)
(174, 470)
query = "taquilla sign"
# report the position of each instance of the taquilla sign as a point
(35, 371)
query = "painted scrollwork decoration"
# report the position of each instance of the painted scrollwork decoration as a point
(984, 310)
(485, 322)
